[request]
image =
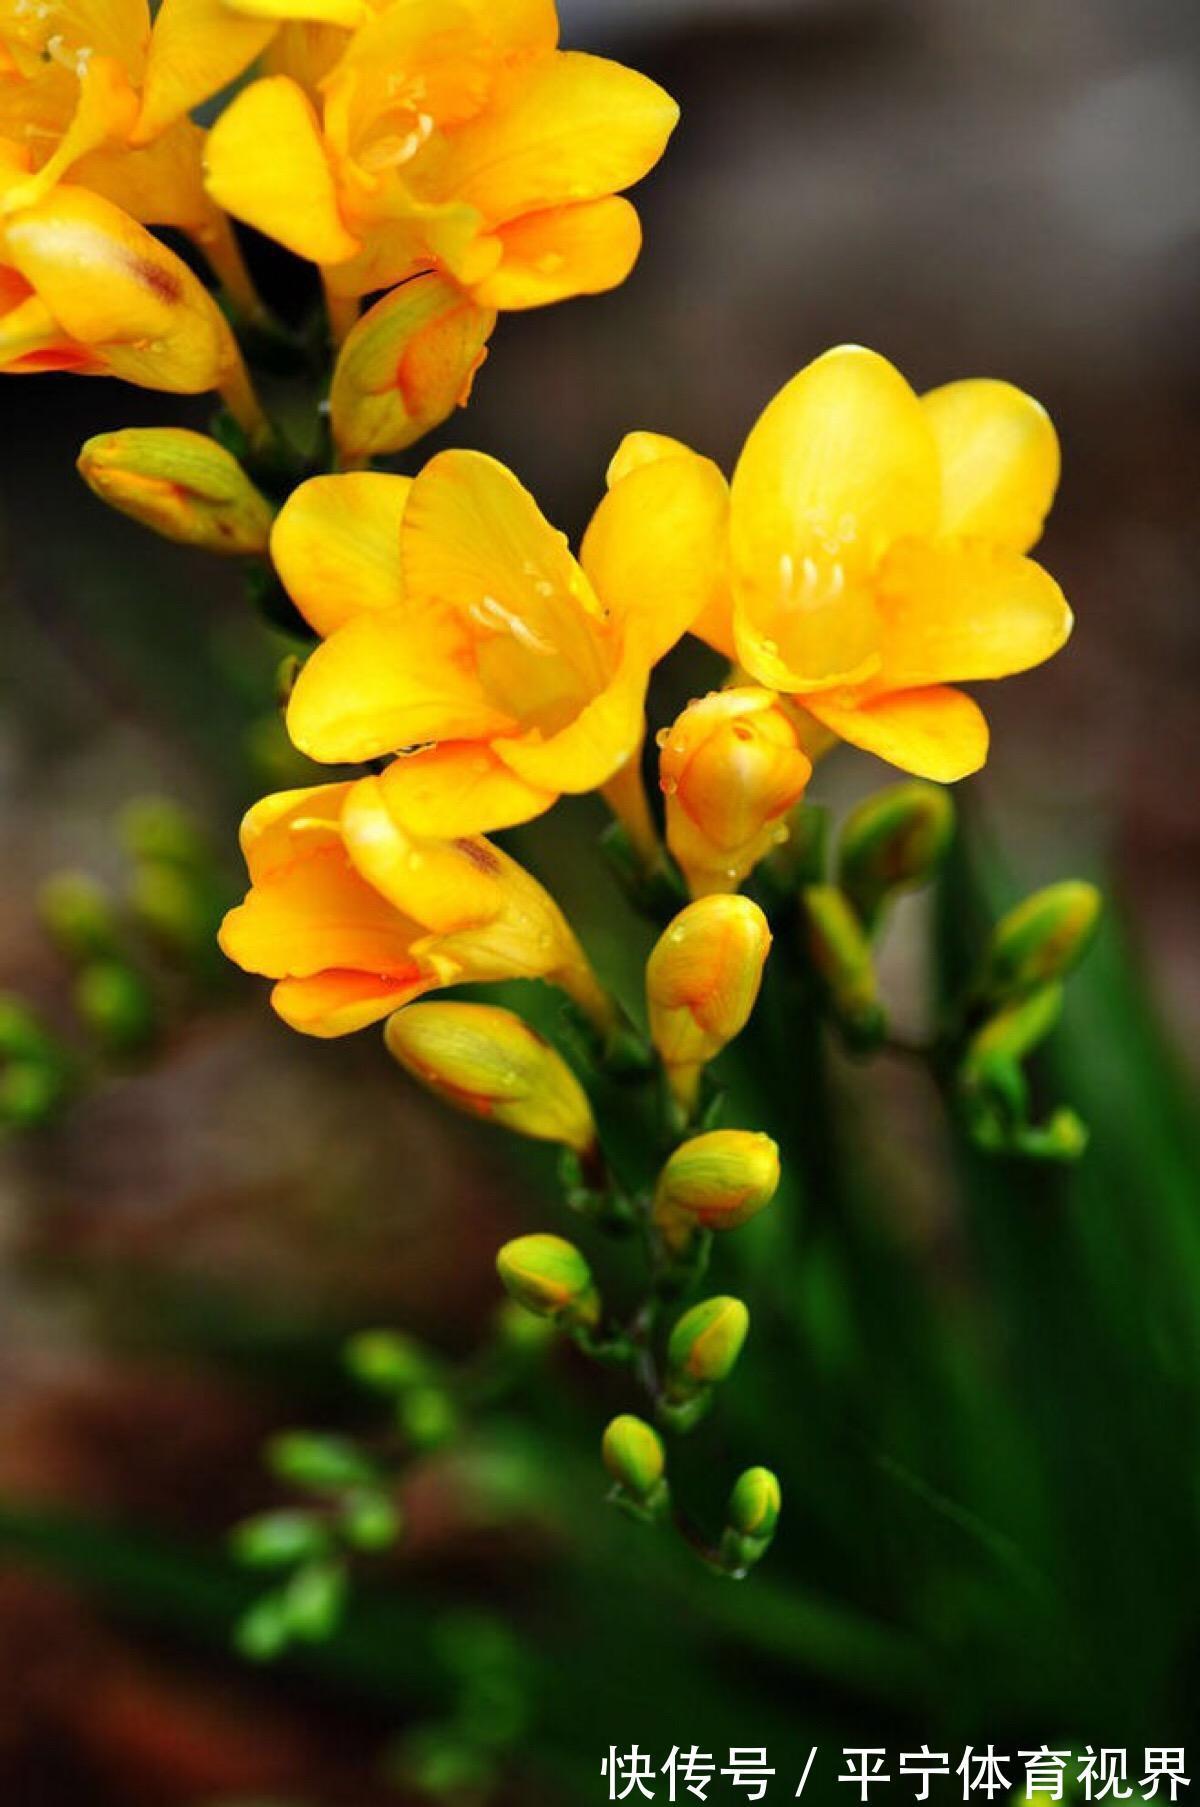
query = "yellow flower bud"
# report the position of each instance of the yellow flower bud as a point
(180, 484)
(702, 982)
(841, 954)
(1041, 940)
(716, 1181)
(549, 1276)
(1016, 1031)
(487, 1062)
(634, 1456)
(754, 1504)
(405, 366)
(892, 841)
(731, 768)
(705, 1344)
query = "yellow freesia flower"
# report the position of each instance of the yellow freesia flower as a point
(353, 917)
(460, 624)
(84, 288)
(71, 79)
(451, 135)
(877, 555)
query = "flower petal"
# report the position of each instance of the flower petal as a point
(338, 1003)
(336, 546)
(266, 164)
(197, 48)
(936, 733)
(838, 466)
(999, 458)
(518, 27)
(567, 128)
(107, 108)
(445, 885)
(640, 448)
(962, 611)
(459, 788)
(588, 750)
(655, 549)
(388, 679)
(565, 251)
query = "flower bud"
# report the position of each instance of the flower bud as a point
(180, 484)
(891, 842)
(702, 982)
(634, 1456)
(405, 366)
(731, 768)
(318, 1463)
(717, 1181)
(1041, 940)
(705, 1344)
(387, 1362)
(278, 1539)
(549, 1276)
(754, 1504)
(842, 956)
(78, 915)
(1014, 1032)
(116, 1004)
(487, 1062)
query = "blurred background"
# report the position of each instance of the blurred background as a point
(992, 1527)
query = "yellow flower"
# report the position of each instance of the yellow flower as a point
(71, 78)
(731, 768)
(353, 918)
(449, 135)
(84, 288)
(489, 1063)
(702, 982)
(877, 555)
(460, 624)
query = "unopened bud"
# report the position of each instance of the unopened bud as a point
(752, 1516)
(79, 916)
(278, 1539)
(634, 1457)
(180, 484)
(702, 982)
(489, 1063)
(841, 954)
(731, 768)
(705, 1344)
(1014, 1032)
(549, 1276)
(23, 1036)
(370, 1521)
(116, 1005)
(405, 366)
(716, 1181)
(318, 1463)
(158, 828)
(1041, 940)
(387, 1361)
(892, 842)
(31, 1093)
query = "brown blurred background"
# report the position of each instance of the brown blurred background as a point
(1004, 187)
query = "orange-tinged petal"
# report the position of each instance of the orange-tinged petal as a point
(999, 459)
(389, 679)
(197, 48)
(107, 108)
(273, 828)
(838, 466)
(475, 539)
(315, 913)
(517, 27)
(265, 163)
(566, 128)
(417, 58)
(347, 13)
(407, 364)
(161, 184)
(936, 733)
(338, 1003)
(655, 549)
(576, 250)
(459, 788)
(336, 546)
(444, 885)
(959, 611)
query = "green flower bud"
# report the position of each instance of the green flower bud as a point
(1041, 940)
(180, 484)
(22, 1034)
(116, 1005)
(78, 915)
(263, 1632)
(634, 1456)
(387, 1362)
(370, 1521)
(716, 1181)
(158, 828)
(427, 1416)
(31, 1093)
(521, 1330)
(278, 1539)
(754, 1504)
(892, 842)
(841, 954)
(705, 1344)
(548, 1275)
(313, 1601)
(1014, 1032)
(318, 1463)
(173, 908)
